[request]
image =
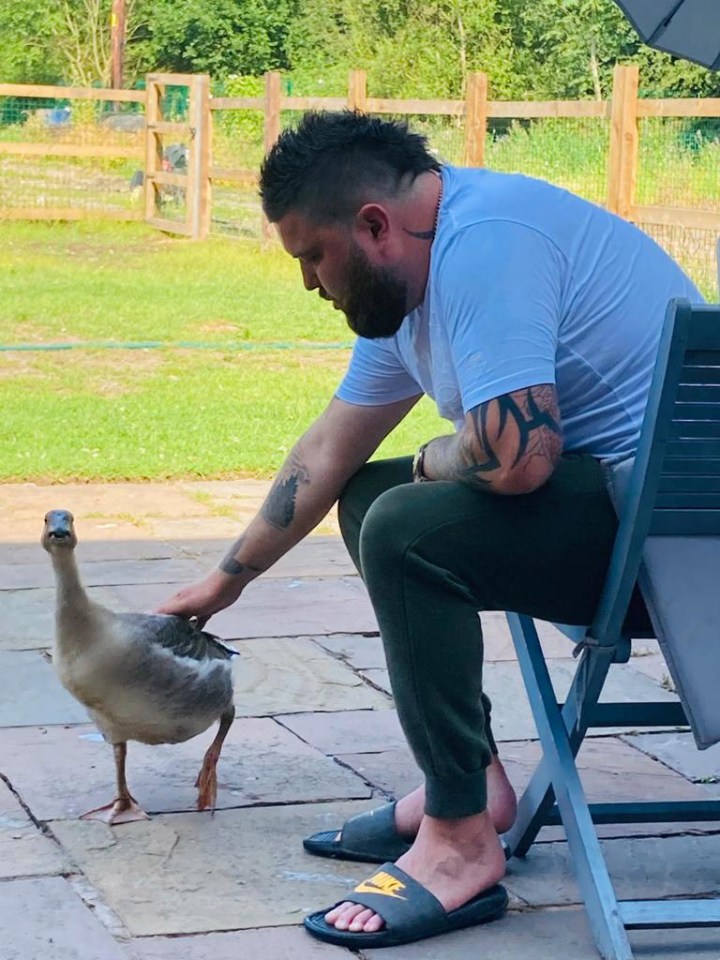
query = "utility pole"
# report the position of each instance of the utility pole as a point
(117, 43)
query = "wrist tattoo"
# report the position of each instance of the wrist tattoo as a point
(232, 566)
(279, 508)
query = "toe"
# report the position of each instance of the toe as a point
(365, 922)
(374, 924)
(341, 917)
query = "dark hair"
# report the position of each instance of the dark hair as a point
(325, 167)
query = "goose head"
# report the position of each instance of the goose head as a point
(59, 531)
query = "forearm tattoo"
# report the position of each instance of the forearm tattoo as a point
(279, 508)
(232, 566)
(533, 415)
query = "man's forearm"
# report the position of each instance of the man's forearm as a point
(508, 445)
(299, 498)
(457, 458)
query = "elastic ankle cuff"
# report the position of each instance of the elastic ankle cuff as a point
(452, 797)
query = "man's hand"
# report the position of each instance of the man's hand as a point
(204, 598)
(508, 445)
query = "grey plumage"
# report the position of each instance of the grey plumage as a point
(147, 677)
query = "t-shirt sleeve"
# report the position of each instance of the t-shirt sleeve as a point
(376, 376)
(499, 291)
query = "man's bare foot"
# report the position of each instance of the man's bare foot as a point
(501, 805)
(454, 859)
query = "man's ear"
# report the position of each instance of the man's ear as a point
(372, 219)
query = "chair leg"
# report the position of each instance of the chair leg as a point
(539, 796)
(537, 799)
(585, 852)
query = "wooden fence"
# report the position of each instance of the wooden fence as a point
(624, 114)
(53, 147)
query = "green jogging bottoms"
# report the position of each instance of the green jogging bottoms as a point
(432, 556)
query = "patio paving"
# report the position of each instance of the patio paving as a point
(316, 739)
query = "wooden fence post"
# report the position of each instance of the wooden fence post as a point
(199, 172)
(357, 90)
(153, 146)
(273, 93)
(476, 111)
(623, 159)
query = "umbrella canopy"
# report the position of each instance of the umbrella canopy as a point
(684, 28)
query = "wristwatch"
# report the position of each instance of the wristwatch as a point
(418, 473)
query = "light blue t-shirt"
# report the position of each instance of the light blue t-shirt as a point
(529, 284)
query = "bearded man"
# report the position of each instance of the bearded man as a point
(532, 319)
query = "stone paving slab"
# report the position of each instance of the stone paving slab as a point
(640, 867)
(105, 572)
(276, 943)
(29, 616)
(93, 551)
(61, 772)
(360, 652)
(498, 643)
(31, 694)
(24, 850)
(512, 718)
(44, 919)
(678, 751)
(547, 935)
(364, 653)
(356, 731)
(189, 873)
(315, 556)
(276, 608)
(281, 675)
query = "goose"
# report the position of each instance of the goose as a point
(147, 677)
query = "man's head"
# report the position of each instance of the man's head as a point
(339, 188)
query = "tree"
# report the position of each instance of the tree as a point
(26, 52)
(408, 47)
(219, 37)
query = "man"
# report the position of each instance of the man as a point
(532, 318)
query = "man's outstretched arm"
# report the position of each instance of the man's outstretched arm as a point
(306, 487)
(508, 445)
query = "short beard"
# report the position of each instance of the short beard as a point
(376, 303)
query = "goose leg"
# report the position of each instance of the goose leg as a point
(124, 808)
(207, 778)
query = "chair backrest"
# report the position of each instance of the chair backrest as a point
(685, 461)
(668, 502)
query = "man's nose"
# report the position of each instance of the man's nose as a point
(309, 277)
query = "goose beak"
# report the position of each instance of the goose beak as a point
(59, 529)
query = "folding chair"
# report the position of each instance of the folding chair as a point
(668, 543)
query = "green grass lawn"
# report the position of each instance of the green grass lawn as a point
(272, 356)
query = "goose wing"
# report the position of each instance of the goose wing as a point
(183, 638)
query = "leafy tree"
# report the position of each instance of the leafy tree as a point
(26, 51)
(220, 37)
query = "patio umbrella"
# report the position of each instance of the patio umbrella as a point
(684, 28)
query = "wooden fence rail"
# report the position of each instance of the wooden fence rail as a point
(623, 112)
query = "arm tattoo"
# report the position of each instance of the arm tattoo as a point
(231, 565)
(279, 508)
(531, 412)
